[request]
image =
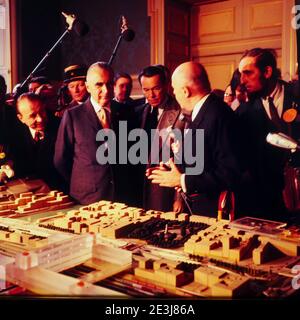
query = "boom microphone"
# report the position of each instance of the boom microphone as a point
(127, 34)
(76, 25)
(80, 28)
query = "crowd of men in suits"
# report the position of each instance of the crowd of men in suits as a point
(59, 145)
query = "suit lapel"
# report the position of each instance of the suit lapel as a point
(288, 98)
(91, 115)
(144, 115)
(196, 124)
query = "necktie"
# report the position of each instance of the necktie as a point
(104, 117)
(188, 120)
(153, 121)
(275, 116)
(38, 135)
(151, 124)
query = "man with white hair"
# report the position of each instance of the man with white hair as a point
(76, 146)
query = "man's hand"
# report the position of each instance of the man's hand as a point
(178, 205)
(6, 172)
(165, 178)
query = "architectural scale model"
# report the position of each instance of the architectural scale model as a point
(173, 254)
(28, 202)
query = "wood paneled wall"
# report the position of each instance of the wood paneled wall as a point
(220, 32)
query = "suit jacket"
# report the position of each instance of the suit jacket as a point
(261, 189)
(221, 169)
(154, 196)
(75, 154)
(35, 159)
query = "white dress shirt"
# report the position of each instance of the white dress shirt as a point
(278, 96)
(195, 112)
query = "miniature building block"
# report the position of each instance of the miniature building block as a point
(4, 261)
(26, 260)
(145, 263)
(200, 276)
(229, 288)
(289, 248)
(157, 264)
(161, 275)
(183, 217)
(189, 247)
(176, 278)
(4, 235)
(145, 273)
(169, 215)
(265, 253)
(214, 276)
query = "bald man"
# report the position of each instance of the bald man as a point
(76, 145)
(208, 112)
(32, 145)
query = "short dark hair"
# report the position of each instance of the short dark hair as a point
(122, 75)
(235, 80)
(166, 71)
(32, 97)
(153, 71)
(264, 57)
(40, 80)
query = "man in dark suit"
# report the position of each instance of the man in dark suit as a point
(32, 146)
(76, 146)
(220, 170)
(160, 112)
(269, 99)
(122, 90)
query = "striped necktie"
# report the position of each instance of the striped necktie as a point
(104, 117)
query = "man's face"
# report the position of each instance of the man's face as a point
(77, 90)
(100, 85)
(122, 89)
(33, 86)
(32, 114)
(251, 77)
(154, 90)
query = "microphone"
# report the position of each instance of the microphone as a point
(76, 25)
(127, 34)
(80, 28)
(283, 141)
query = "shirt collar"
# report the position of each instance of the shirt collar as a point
(95, 105)
(198, 106)
(33, 131)
(276, 93)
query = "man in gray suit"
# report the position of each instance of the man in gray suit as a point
(160, 112)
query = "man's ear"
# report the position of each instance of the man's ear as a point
(19, 117)
(186, 92)
(268, 72)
